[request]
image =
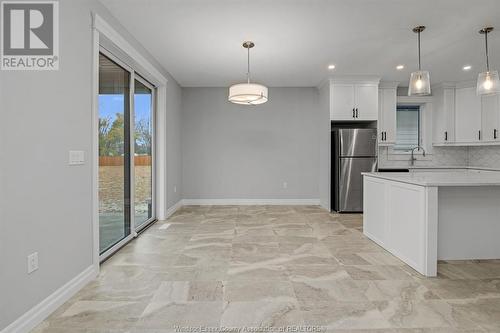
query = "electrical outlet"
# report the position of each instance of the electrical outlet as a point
(285, 185)
(32, 262)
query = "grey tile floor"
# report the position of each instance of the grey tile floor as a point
(274, 267)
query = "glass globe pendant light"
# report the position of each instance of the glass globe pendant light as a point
(248, 93)
(420, 82)
(488, 82)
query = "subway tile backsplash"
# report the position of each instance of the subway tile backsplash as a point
(441, 156)
(486, 156)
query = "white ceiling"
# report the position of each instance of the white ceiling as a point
(199, 41)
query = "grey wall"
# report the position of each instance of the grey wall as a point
(241, 152)
(45, 205)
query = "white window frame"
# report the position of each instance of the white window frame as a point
(425, 104)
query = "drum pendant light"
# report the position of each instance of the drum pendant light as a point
(420, 82)
(248, 93)
(488, 82)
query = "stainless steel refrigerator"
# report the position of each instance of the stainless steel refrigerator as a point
(354, 150)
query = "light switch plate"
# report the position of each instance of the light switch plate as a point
(76, 157)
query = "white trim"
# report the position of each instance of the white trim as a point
(388, 84)
(103, 27)
(175, 207)
(214, 202)
(161, 152)
(94, 156)
(417, 100)
(42, 310)
(355, 79)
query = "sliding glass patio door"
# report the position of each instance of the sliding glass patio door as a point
(143, 152)
(114, 153)
(126, 159)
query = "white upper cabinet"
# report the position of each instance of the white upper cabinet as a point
(444, 114)
(387, 114)
(467, 116)
(353, 100)
(463, 118)
(342, 102)
(366, 101)
(490, 117)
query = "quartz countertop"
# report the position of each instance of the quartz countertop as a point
(452, 177)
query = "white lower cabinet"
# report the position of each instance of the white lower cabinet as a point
(402, 218)
(375, 223)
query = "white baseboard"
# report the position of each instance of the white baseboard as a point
(42, 310)
(172, 209)
(214, 202)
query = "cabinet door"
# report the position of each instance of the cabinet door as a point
(444, 116)
(490, 114)
(388, 114)
(375, 224)
(468, 115)
(342, 102)
(366, 97)
(381, 122)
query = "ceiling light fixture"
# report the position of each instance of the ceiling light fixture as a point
(331, 67)
(420, 82)
(400, 67)
(467, 68)
(487, 82)
(248, 93)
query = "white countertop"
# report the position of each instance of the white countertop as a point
(453, 177)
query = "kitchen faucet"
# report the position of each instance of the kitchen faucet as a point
(413, 158)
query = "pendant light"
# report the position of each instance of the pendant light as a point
(487, 82)
(420, 82)
(248, 93)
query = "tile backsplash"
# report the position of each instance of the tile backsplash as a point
(441, 156)
(486, 156)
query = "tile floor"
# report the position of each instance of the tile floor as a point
(274, 267)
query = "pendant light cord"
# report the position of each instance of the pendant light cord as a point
(419, 64)
(248, 65)
(487, 57)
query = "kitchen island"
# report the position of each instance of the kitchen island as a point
(425, 216)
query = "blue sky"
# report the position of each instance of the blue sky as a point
(111, 104)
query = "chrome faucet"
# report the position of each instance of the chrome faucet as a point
(413, 158)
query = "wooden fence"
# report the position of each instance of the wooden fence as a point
(118, 160)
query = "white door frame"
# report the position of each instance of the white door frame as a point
(101, 27)
(137, 77)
